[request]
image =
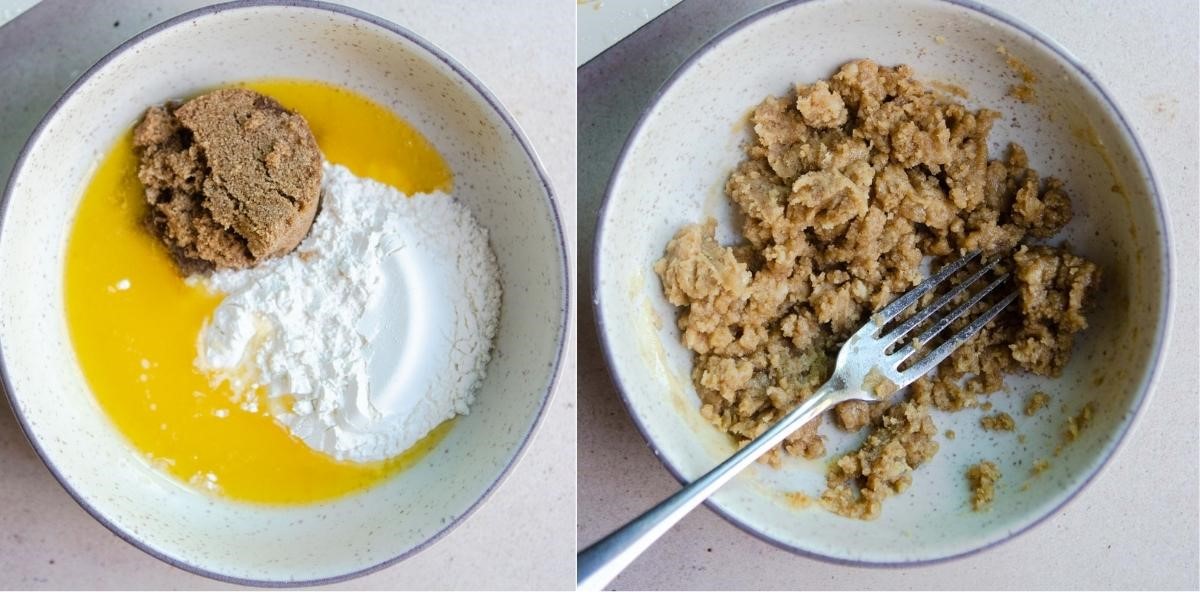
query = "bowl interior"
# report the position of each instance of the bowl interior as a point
(673, 173)
(495, 174)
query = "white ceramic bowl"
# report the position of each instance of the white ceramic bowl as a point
(496, 173)
(672, 172)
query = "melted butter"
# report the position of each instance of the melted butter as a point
(134, 322)
(362, 135)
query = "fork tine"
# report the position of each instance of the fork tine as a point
(920, 316)
(898, 305)
(940, 325)
(936, 356)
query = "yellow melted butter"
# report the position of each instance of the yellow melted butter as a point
(362, 135)
(136, 346)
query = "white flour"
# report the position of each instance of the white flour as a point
(379, 325)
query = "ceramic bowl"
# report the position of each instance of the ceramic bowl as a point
(672, 172)
(496, 173)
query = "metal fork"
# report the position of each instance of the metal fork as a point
(866, 369)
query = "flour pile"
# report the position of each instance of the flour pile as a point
(377, 328)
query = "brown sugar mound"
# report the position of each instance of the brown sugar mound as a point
(848, 185)
(232, 178)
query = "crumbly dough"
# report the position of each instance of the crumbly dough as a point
(847, 186)
(857, 483)
(1039, 467)
(1024, 91)
(982, 479)
(1076, 425)
(1035, 403)
(999, 422)
(231, 177)
(798, 499)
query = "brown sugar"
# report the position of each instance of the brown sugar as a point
(848, 185)
(231, 177)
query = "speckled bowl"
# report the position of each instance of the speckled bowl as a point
(497, 175)
(672, 172)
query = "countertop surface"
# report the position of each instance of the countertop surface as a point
(47, 541)
(603, 23)
(1134, 527)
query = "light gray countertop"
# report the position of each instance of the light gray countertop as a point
(523, 537)
(1134, 527)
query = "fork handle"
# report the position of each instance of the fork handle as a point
(597, 565)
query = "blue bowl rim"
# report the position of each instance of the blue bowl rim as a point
(1161, 330)
(551, 202)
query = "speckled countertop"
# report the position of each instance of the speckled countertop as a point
(1134, 527)
(47, 541)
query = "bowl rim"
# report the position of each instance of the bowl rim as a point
(1161, 329)
(551, 202)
